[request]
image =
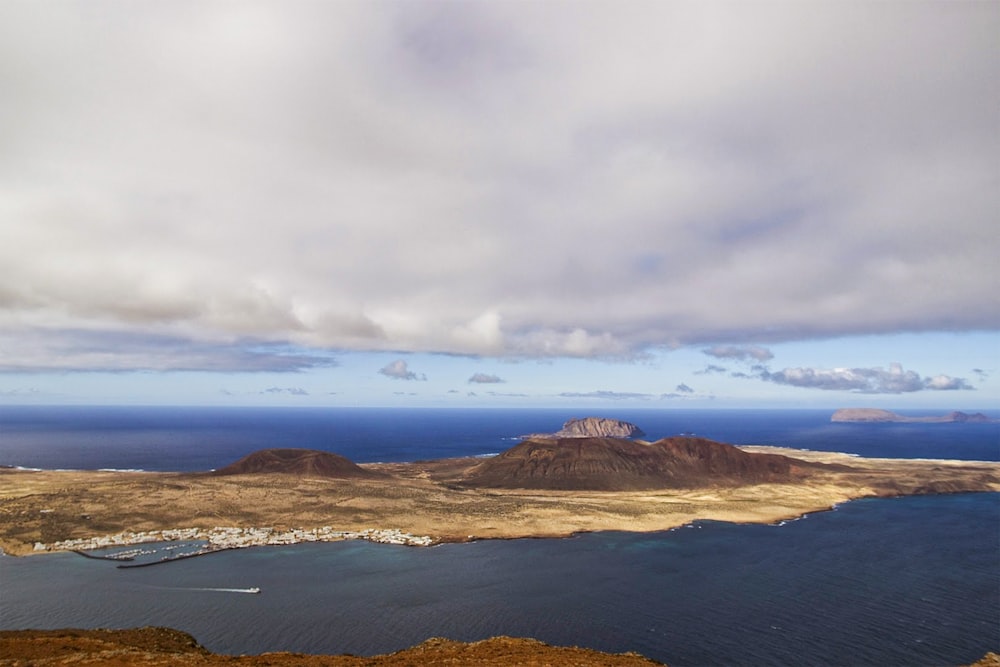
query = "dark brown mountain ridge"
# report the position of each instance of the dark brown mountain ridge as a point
(618, 464)
(302, 462)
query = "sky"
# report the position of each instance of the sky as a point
(500, 204)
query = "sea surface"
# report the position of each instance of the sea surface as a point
(189, 439)
(906, 581)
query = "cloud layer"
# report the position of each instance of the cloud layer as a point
(508, 179)
(895, 380)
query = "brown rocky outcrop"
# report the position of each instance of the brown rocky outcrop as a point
(598, 427)
(163, 646)
(617, 464)
(301, 462)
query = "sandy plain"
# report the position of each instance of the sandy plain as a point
(427, 498)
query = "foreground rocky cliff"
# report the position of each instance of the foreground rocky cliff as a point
(163, 646)
(145, 647)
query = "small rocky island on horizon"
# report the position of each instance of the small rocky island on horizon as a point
(878, 415)
(594, 427)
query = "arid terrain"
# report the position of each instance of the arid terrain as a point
(433, 498)
(162, 646)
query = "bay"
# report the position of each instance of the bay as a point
(907, 581)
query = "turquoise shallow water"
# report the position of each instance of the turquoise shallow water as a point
(908, 581)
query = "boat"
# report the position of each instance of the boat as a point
(253, 589)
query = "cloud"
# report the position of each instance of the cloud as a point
(740, 352)
(608, 395)
(981, 374)
(293, 391)
(681, 391)
(946, 383)
(895, 380)
(240, 178)
(398, 370)
(36, 351)
(711, 368)
(484, 378)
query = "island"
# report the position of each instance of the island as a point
(598, 427)
(876, 415)
(541, 487)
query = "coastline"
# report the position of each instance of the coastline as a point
(47, 511)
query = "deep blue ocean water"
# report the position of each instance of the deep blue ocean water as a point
(907, 581)
(188, 439)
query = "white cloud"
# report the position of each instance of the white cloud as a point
(293, 391)
(895, 380)
(461, 178)
(399, 370)
(608, 395)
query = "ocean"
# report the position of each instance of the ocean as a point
(906, 581)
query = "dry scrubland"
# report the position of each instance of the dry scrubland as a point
(162, 646)
(428, 498)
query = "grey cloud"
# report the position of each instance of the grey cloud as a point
(399, 370)
(740, 352)
(684, 389)
(895, 380)
(41, 350)
(607, 395)
(484, 378)
(711, 368)
(295, 188)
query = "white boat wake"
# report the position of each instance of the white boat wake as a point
(252, 589)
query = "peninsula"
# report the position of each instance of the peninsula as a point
(548, 487)
(876, 415)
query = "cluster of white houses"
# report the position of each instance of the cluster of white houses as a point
(236, 538)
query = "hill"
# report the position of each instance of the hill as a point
(617, 464)
(301, 462)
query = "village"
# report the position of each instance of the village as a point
(231, 537)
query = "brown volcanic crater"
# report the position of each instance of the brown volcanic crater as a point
(617, 464)
(301, 462)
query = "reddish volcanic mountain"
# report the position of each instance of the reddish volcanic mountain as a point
(303, 462)
(617, 464)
